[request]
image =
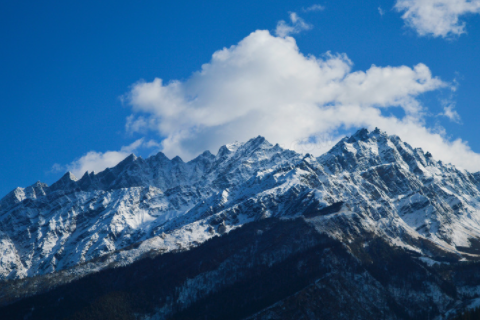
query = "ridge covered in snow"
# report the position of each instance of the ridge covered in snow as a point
(367, 184)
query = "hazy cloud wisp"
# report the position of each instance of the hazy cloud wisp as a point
(450, 112)
(297, 25)
(314, 7)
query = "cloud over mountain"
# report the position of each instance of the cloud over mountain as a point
(265, 85)
(94, 161)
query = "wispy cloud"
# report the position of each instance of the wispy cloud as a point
(315, 7)
(438, 18)
(381, 11)
(297, 25)
(450, 112)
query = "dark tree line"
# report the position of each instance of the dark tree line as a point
(473, 314)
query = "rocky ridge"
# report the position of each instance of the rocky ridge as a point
(368, 186)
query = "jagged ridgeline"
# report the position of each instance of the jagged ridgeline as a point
(373, 229)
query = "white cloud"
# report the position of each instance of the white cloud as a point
(439, 18)
(450, 112)
(297, 25)
(265, 86)
(315, 7)
(99, 161)
(153, 144)
(380, 10)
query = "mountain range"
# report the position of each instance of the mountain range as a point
(372, 229)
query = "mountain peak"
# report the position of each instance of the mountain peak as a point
(364, 135)
(377, 137)
(366, 149)
(177, 159)
(258, 139)
(131, 158)
(228, 148)
(255, 143)
(69, 176)
(67, 180)
(39, 184)
(125, 162)
(207, 154)
(361, 134)
(159, 158)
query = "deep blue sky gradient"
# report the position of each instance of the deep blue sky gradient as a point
(64, 65)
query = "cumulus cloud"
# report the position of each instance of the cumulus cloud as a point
(315, 7)
(439, 18)
(297, 25)
(99, 161)
(264, 85)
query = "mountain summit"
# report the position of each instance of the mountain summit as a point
(371, 191)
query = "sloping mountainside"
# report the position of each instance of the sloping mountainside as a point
(373, 229)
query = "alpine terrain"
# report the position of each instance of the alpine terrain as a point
(373, 229)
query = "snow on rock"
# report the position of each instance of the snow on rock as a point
(381, 184)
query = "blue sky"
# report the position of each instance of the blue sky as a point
(70, 77)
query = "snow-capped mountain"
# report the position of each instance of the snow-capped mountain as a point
(46, 229)
(368, 186)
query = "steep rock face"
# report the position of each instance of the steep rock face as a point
(369, 183)
(435, 200)
(476, 176)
